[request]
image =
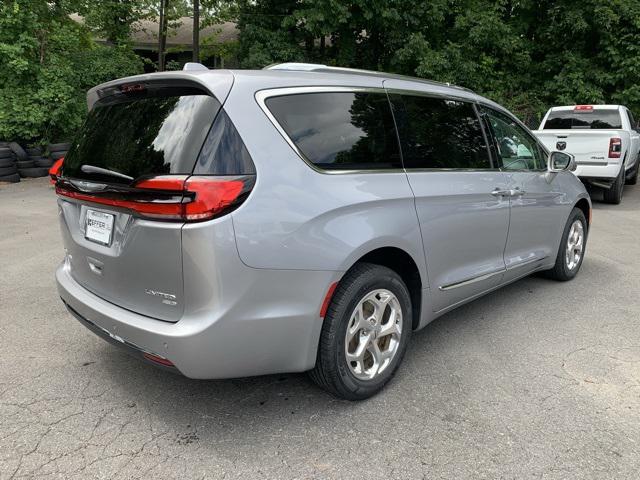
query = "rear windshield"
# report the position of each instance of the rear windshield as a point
(583, 119)
(146, 133)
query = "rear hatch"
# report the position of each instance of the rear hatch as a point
(584, 132)
(145, 163)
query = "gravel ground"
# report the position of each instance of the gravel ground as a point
(537, 380)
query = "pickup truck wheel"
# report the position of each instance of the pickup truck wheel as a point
(633, 179)
(572, 247)
(365, 333)
(614, 194)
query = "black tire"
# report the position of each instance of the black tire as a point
(6, 152)
(25, 164)
(332, 371)
(19, 151)
(614, 194)
(7, 162)
(57, 155)
(57, 147)
(35, 172)
(633, 179)
(4, 171)
(561, 270)
(34, 152)
(44, 162)
(15, 178)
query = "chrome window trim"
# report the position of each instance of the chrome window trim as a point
(449, 170)
(262, 96)
(423, 93)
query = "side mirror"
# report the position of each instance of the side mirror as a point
(561, 161)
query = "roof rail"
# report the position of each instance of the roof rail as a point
(317, 67)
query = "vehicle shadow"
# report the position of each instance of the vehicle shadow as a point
(235, 408)
(630, 198)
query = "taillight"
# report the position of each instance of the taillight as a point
(583, 107)
(179, 198)
(212, 197)
(615, 147)
(54, 171)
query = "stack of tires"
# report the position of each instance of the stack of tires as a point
(8, 167)
(58, 150)
(31, 163)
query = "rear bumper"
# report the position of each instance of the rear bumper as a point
(608, 172)
(128, 347)
(274, 327)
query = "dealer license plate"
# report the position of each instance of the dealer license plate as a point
(99, 227)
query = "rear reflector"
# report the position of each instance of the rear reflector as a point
(169, 197)
(583, 107)
(158, 359)
(327, 299)
(615, 147)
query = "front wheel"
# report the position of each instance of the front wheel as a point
(572, 247)
(365, 333)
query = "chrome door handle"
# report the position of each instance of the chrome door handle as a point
(501, 193)
(512, 192)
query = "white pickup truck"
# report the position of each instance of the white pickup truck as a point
(604, 139)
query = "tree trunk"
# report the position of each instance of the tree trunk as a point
(162, 35)
(196, 30)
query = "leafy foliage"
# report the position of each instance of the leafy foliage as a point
(526, 54)
(47, 63)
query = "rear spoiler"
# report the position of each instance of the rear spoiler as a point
(216, 82)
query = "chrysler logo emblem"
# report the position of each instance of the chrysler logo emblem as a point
(561, 145)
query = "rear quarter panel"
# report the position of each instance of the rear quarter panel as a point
(299, 218)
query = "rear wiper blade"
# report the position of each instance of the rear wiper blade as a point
(104, 171)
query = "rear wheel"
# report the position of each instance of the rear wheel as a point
(365, 333)
(633, 179)
(614, 194)
(572, 247)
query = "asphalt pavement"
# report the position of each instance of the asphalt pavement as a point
(538, 380)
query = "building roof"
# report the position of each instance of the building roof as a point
(145, 33)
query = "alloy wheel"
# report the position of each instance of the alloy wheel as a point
(575, 245)
(373, 334)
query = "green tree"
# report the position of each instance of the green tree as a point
(526, 54)
(47, 63)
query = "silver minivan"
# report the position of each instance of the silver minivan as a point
(300, 218)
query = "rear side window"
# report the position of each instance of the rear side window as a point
(150, 132)
(340, 130)
(224, 152)
(583, 119)
(439, 133)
